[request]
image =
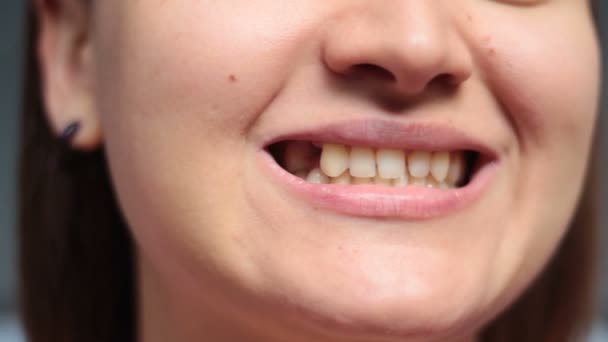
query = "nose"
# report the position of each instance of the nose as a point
(405, 44)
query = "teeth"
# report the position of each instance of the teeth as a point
(382, 181)
(340, 164)
(419, 164)
(358, 180)
(343, 179)
(362, 162)
(334, 159)
(418, 181)
(456, 171)
(403, 180)
(440, 165)
(317, 177)
(298, 156)
(431, 183)
(391, 163)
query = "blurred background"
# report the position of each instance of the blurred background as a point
(11, 46)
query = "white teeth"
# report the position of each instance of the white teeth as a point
(418, 181)
(340, 164)
(343, 179)
(440, 165)
(382, 181)
(391, 163)
(419, 164)
(362, 162)
(357, 180)
(403, 180)
(456, 171)
(334, 159)
(317, 177)
(298, 156)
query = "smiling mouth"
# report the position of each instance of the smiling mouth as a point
(339, 164)
(382, 169)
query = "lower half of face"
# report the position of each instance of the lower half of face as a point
(347, 169)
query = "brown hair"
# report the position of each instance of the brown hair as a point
(77, 269)
(76, 260)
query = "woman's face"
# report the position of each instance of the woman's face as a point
(214, 113)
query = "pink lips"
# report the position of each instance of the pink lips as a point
(409, 202)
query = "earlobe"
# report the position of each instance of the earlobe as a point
(70, 132)
(83, 135)
(66, 65)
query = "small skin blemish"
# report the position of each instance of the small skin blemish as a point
(487, 42)
(232, 78)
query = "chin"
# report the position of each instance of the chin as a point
(385, 304)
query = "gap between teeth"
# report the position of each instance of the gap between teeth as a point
(340, 164)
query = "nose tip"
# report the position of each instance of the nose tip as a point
(406, 50)
(423, 58)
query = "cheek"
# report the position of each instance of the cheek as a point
(177, 101)
(203, 76)
(185, 73)
(182, 93)
(546, 76)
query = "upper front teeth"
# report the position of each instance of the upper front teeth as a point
(362, 162)
(419, 164)
(364, 165)
(391, 163)
(334, 159)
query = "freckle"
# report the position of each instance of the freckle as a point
(492, 52)
(232, 78)
(469, 17)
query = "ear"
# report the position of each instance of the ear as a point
(65, 53)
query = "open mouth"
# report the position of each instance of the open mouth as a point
(382, 169)
(334, 163)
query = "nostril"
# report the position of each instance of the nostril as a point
(373, 71)
(444, 79)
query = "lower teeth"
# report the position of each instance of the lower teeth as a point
(302, 158)
(316, 176)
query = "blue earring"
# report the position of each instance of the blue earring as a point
(70, 132)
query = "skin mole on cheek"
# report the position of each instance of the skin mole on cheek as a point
(232, 78)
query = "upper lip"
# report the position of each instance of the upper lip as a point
(391, 134)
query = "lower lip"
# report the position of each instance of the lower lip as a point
(409, 202)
